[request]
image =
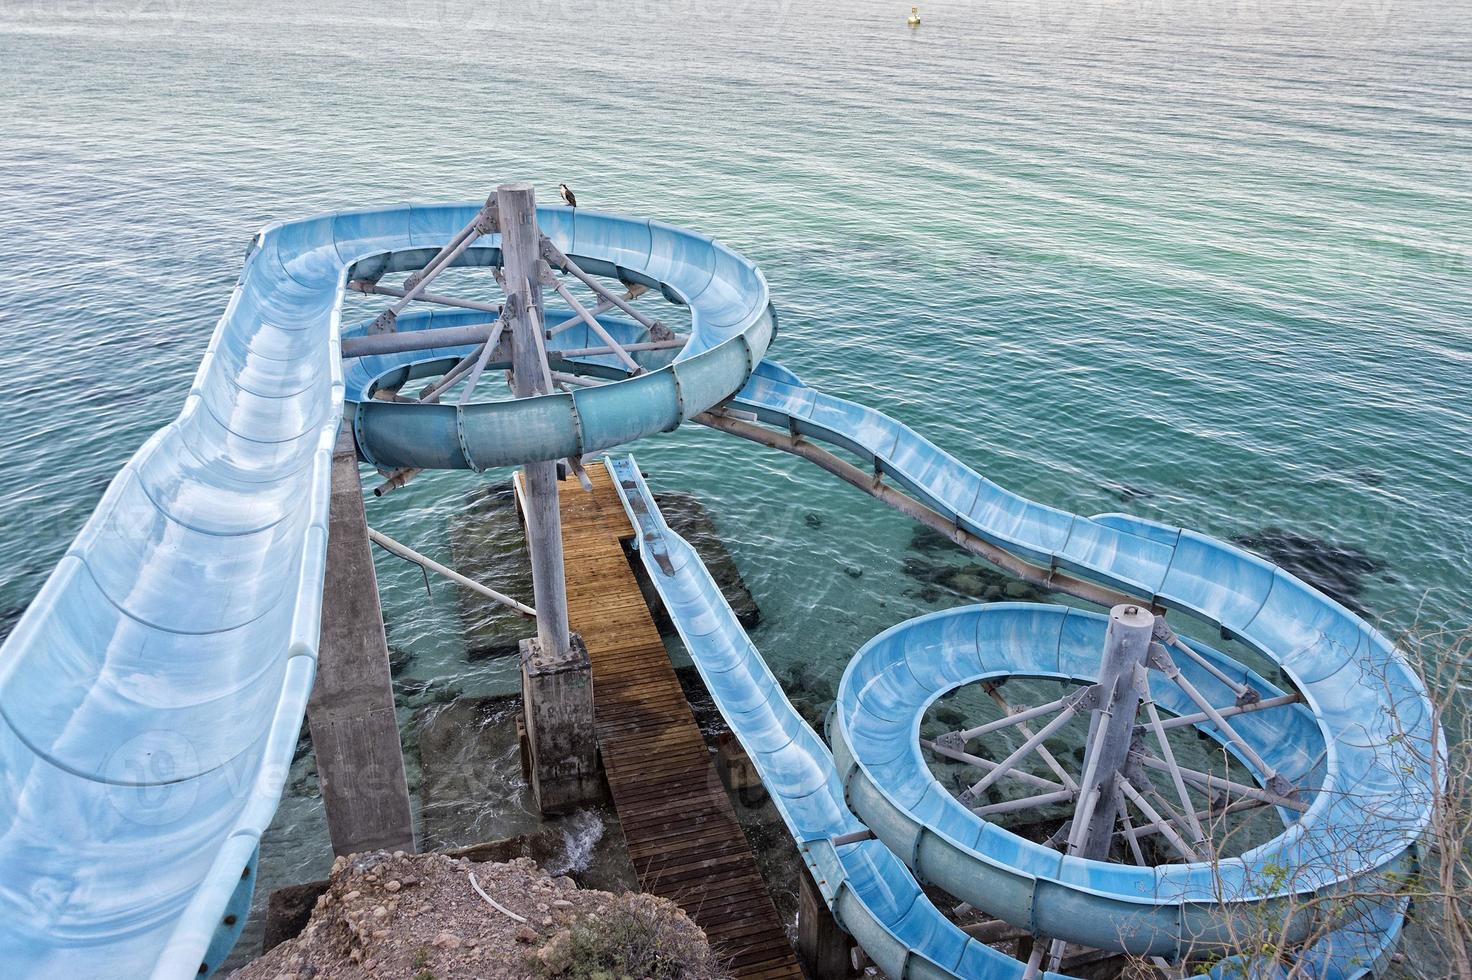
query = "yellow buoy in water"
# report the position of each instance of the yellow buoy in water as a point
(914, 20)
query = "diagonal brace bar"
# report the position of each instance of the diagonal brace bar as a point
(1021, 717)
(557, 257)
(987, 765)
(1026, 730)
(376, 288)
(593, 324)
(485, 221)
(1006, 765)
(1209, 781)
(633, 292)
(1161, 660)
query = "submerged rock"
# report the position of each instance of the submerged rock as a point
(471, 782)
(473, 790)
(707, 716)
(288, 911)
(973, 581)
(398, 660)
(949, 717)
(1128, 491)
(487, 544)
(8, 619)
(1336, 570)
(688, 518)
(571, 848)
(303, 743)
(927, 540)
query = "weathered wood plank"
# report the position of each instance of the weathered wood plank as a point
(677, 820)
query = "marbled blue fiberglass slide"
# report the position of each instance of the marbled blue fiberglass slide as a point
(154, 690)
(876, 778)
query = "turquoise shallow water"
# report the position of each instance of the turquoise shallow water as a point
(1207, 264)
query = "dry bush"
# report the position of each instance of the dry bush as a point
(1438, 941)
(1442, 895)
(636, 937)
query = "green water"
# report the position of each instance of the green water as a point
(1207, 263)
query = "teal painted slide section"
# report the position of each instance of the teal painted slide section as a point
(1371, 784)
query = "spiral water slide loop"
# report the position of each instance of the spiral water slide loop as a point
(1358, 749)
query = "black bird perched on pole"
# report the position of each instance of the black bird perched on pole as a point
(567, 196)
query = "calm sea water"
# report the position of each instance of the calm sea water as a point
(1208, 263)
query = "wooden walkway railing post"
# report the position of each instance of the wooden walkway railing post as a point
(822, 944)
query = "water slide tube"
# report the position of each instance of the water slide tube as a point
(1359, 746)
(1371, 787)
(153, 691)
(885, 691)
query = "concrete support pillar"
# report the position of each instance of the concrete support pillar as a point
(822, 945)
(560, 749)
(355, 731)
(1121, 676)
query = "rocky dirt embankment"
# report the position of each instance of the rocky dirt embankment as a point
(421, 917)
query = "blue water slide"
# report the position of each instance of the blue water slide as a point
(876, 779)
(1371, 789)
(872, 894)
(153, 691)
(731, 325)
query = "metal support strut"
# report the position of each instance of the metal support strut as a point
(520, 255)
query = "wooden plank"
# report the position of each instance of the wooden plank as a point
(682, 834)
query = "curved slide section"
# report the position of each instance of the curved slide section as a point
(898, 675)
(1371, 798)
(731, 325)
(871, 888)
(153, 691)
(872, 894)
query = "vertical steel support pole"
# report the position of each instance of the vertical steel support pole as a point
(561, 748)
(1121, 674)
(521, 253)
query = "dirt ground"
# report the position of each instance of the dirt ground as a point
(419, 916)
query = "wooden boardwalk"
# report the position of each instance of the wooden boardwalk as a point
(681, 830)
